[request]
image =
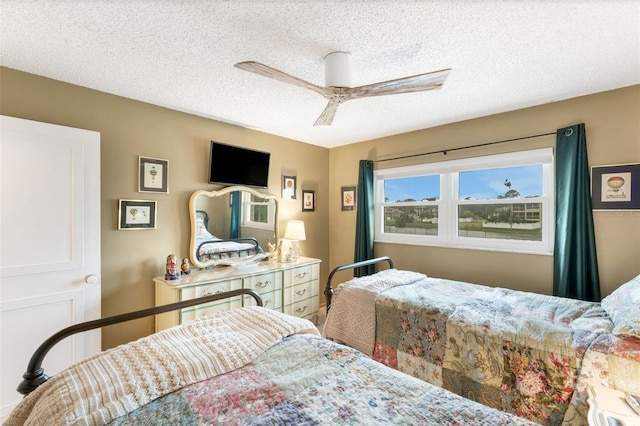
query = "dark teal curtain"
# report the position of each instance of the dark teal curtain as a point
(234, 231)
(364, 219)
(575, 266)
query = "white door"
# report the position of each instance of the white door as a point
(49, 246)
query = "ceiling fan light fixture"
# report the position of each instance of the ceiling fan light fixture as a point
(337, 69)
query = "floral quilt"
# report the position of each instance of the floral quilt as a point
(515, 351)
(306, 380)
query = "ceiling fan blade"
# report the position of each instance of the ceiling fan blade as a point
(337, 95)
(416, 83)
(326, 118)
(267, 71)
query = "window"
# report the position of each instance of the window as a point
(257, 212)
(497, 202)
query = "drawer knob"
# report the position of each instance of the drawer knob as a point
(301, 310)
(263, 284)
(301, 292)
(301, 275)
(208, 293)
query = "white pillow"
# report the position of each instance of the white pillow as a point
(623, 306)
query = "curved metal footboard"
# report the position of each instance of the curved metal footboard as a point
(328, 291)
(35, 376)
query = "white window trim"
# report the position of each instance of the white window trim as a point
(246, 213)
(448, 202)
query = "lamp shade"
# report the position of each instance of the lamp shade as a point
(295, 230)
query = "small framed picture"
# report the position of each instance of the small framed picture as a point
(136, 214)
(615, 187)
(348, 198)
(153, 175)
(288, 187)
(308, 200)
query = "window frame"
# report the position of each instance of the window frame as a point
(247, 204)
(448, 202)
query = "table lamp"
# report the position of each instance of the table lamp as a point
(294, 232)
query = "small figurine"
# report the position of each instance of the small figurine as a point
(280, 253)
(184, 268)
(271, 246)
(172, 273)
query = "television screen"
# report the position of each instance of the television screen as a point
(232, 165)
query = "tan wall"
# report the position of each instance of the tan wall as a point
(128, 129)
(612, 122)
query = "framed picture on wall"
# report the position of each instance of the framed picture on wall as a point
(348, 201)
(308, 200)
(288, 187)
(615, 187)
(136, 214)
(153, 175)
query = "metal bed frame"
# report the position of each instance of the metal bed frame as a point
(205, 220)
(328, 290)
(35, 376)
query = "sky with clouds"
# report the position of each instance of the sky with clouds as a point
(478, 185)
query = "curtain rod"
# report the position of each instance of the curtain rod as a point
(445, 151)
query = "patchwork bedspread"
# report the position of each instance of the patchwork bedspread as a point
(306, 380)
(518, 352)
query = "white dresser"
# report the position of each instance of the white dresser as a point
(291, 288)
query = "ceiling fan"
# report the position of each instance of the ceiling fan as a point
(337, 80)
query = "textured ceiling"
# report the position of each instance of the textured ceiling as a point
(504, 55)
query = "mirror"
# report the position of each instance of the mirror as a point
(232, 226)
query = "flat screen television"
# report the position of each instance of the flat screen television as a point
(232, 165)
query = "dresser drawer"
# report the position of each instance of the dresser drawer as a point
(302, 291)
(271, 300)
(301, 274)
(202, 290)
(305, 307)
(262, 283)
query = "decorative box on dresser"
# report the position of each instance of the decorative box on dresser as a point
(292, 288)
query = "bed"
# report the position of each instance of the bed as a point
(250, 366)
(232, 251)
(522, 353)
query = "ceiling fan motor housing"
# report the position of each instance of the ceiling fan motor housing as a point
(337, 69)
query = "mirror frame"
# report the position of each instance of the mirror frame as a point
(217, 193)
